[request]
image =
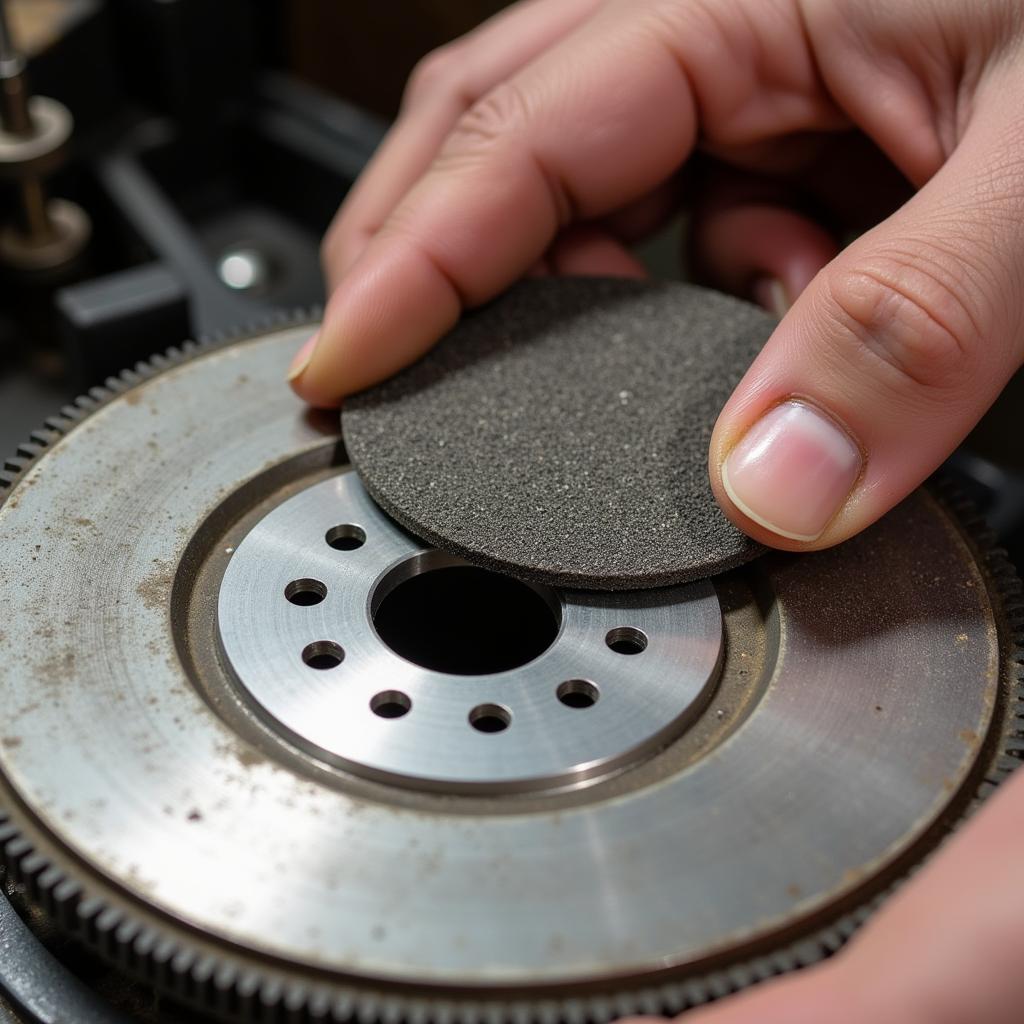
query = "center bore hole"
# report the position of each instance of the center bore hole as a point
(466, 621)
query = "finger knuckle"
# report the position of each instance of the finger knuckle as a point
(495, 119)
(910, 320)
(434, 73)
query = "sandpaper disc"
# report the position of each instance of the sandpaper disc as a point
(561, 433)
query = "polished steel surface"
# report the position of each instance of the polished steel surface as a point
(642, 699)
(878, 692)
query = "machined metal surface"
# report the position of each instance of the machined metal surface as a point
(639, 696)
(857, 702)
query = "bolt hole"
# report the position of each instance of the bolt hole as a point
(305, 592)
(626, 640)
(390, 704)
(346, 537)
(578, 693)
(323, 654)
(490, 718)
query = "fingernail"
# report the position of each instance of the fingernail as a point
(792, 471)
(302, 358)
(770, 293)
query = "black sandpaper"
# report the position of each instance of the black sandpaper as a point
(561, 433)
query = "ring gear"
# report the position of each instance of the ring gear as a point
(868, 698)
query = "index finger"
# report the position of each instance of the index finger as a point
(433, 103)
(572, 136)
(599, 120)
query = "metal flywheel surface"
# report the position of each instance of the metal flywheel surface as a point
(267, 750)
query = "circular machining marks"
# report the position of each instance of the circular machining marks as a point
(561, 433)
(465, 687)
(871, 695)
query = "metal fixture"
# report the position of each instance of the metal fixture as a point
(267, 636)
(34, 136)
(224, 769)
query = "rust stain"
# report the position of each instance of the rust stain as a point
(244, 755)
(968, 736)
(55, 670)
(155, 589)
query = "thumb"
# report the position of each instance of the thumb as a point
(887, 359)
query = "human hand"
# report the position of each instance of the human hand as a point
(552, 136)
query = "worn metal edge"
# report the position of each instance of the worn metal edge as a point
(236, 987)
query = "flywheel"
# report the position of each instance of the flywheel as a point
(271, 752)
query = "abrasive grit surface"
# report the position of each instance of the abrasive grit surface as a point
(561, 433)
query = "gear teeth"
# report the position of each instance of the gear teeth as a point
(138, 957)
(270, 1001)
(262, 998)
(695, 993)
(648, 1003)
(248, 986)
(390, 1011)
(32, 867)
(43, 437)
(15, 851)
(125, 933)
(83, 406)
(65, 891)
(183, 961)
(762, 969)
(741, 977)
(30, 450)
(719, 986)
(88, 909)
(108, 920)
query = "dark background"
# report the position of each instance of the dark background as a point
(364, 51)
